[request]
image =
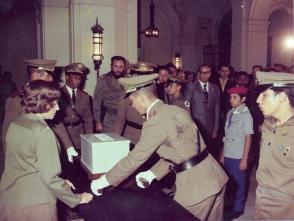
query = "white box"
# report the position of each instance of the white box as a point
(100, 152)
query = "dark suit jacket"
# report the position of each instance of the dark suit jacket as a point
(206, 116)
(224, 96)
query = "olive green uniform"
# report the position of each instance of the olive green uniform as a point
(275, 174)
(106, 98)
(128, 121)
(13, 110)
(171, 132)
(30, 180)
(180, 102)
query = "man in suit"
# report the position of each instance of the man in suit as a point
(224, 83)
(204, 99)
(76, 115)
(170, 131)
(37, 69)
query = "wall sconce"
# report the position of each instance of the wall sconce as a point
(151, 31)
(97, 46)
(178, 61)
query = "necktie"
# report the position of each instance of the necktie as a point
(230, 116)
(205, 93)
(73, 96)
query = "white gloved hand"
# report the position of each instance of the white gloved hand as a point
(99, 184)
(147, 176)
(71, 152)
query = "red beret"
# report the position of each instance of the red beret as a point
(238, 90)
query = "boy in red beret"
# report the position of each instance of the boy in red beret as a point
(237, 142)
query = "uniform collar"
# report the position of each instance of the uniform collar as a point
(69, 89)
(150, 109)
(240, 109)
(271, 123)
(35, 117)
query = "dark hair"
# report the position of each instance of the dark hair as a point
(202, 66)
(224, 65)
(240, 73)
(117, 57)
(39, 96)
(169, 65)
(257, 66)
(289, 91)
(163, 68)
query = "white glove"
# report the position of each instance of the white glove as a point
(99, 184)
(147, 176)
(71, 152)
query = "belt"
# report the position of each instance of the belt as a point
(74, 124)
(134, 125)
(193, 161)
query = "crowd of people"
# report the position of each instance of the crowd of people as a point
(202, 130)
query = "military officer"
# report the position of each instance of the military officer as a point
(174, 90)
(129, 121)
(171, 132)
(37, 69)
(107, 94)
(77, 115)
(275, 176)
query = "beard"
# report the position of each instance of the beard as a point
(118, 74)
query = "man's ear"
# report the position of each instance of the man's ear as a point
(282, 97)
(243, 99)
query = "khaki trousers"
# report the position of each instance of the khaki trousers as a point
(273, 205)
(40, 212)
(210, 209)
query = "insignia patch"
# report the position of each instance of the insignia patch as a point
(187, 103)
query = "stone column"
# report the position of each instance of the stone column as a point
(239, 37)
(68, 36)
(257, 42)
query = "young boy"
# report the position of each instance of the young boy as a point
(237, 141)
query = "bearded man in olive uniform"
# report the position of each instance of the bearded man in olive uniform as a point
(106, 95)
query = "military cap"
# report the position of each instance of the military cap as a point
(267, 80)
(143, 67)
(136, 83)
(77, 68)
(238, 90)
(41, 64)
(176, 80)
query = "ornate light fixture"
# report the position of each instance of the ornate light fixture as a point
(97, 45)
(178, 60)
(151, 31)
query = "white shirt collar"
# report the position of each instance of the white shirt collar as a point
(202, 85)
(149, 108)
(69, 89)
